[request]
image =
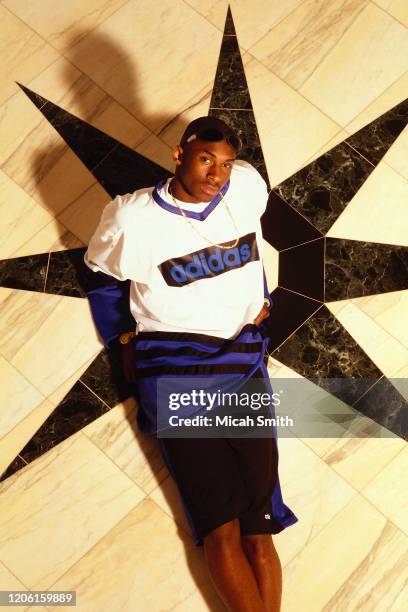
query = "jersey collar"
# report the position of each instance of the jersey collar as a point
(199, 216)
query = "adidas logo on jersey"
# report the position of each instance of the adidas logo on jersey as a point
(209, 262)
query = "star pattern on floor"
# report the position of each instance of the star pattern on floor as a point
(314, 269)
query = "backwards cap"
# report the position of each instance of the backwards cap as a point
(204, 128)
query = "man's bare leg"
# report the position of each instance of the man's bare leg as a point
(265, 563)
(230, 569)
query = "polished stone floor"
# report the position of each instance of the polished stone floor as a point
(93, 96)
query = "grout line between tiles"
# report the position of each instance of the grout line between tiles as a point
(93, 393)
(226, 108)
(393, 336)
(237, 33)
(301, 244)
(294, 331)
(2, 562)
(383, 10)
(390, 86)
(281, 196)
(301, 295)
(179, 526)
(334, 45)
(386, 163)
(131, 481)
(94, 84)
(96, 543)
(46, 271)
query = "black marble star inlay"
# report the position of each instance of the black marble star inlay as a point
(304, 334)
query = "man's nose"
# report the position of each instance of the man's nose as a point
(214, 173)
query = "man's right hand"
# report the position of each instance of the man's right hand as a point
(129, 361)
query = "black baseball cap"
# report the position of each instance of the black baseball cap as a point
(211, 129)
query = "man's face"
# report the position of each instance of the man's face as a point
(202, 168)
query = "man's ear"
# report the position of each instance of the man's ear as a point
(177, 155)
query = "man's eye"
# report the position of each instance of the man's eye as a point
(204, 159)
(228, 164)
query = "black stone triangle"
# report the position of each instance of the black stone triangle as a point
(322, 189)
(230, 100)
(28, 273)
(118, 168)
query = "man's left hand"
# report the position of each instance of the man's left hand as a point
(263, 314)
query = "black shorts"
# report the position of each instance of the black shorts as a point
(221, 479)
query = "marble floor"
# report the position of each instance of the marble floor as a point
(93, 96)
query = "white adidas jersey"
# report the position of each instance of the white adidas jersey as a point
(181, 281)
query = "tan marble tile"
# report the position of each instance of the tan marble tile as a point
(359, 460)
(396, 8)
(337, 139)
(388, 490)
(193, 108)
(342, 549)
(157, 151)
(251, 21)
(382, 199)
(17, 397)
(386, 352)
(197, 603)
(21, 216)
(58, 395)
(83, 215)
(23, 314)
(64, 341)
(379, 581)
(15, 441)
(18, 119)
(335, 307)
(125, 57)
(271, 265)
(9, 582)
(295, 47)
(166, 495)
(72, 496)
(70, 21)
(390, 97)
(63, 84)
(197, 106)
(23, 54)
(290, 128)
(52, 237)
(312, 490)
(116, 434)
(389, 310)
(376, 46)
(397, 154)
(34, 156)
(159, 567)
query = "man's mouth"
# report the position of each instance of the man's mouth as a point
(210, 189)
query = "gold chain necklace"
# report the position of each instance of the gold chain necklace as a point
(221, 246)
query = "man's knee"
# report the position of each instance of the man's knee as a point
(225, 535)
(258, 546)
